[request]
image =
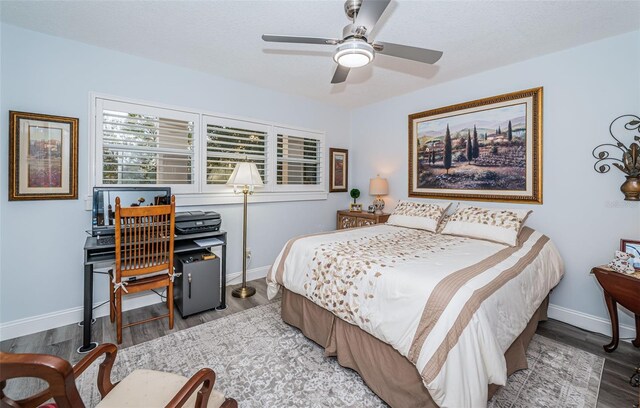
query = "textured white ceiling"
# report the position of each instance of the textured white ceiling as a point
(223, 37)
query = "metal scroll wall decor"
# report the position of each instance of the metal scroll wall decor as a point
(629, 164)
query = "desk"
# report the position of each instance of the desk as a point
(623, 289)
(103, 255)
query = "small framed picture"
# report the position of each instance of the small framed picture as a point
(338, 170)
(372, 209)
(632, 248)
(356, 207)
(43, 157)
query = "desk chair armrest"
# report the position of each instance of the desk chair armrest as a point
(56, 372)
(104, 372)
(205, 377)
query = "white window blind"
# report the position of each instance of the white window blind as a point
(229, 142)
(299, 160)
(143, 145)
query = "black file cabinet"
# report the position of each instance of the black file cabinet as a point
(198, 288)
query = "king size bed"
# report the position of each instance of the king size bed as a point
(425, 318)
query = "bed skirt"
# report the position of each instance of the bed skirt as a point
(389, 374)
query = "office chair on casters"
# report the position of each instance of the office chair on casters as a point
(140, 388)
(144, 257)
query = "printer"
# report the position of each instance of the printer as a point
(191, 222)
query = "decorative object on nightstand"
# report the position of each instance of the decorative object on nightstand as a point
(349, 219)
(623, 263)
(355, 193)
(378, 187)
(246, 177)
(623, 289)
(630, 162)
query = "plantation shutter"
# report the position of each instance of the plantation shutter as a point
(145, 145)
(298, 160)
(230, 142)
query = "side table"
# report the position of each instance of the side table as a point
(623, 289)
(353, 219)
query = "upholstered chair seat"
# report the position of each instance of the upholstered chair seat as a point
(149, 388)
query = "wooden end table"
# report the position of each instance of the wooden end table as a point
(623, 289)
(353, 219)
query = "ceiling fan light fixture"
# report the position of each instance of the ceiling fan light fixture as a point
(354, 53)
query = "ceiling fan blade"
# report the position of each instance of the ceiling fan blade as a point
(298, 40)
(408, 52)
(369, 13)
(340, 75)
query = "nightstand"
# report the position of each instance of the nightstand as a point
(353, 219)
(623, 289)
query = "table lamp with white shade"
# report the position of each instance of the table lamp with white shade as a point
(245, 178)
(378, 187)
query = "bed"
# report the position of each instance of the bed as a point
(426, 319)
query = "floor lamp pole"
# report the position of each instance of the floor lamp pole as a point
(244, 291)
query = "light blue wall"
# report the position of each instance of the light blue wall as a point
(41, 242)
(584, 89)
(583, 212)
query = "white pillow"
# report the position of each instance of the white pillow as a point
(491, 224)
(424, 216)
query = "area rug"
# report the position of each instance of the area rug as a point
(262, 362)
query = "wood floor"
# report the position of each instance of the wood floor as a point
(615, 391)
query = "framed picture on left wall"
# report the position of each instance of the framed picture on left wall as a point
(43, 157)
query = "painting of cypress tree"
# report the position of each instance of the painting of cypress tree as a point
(475, 148)
(446, 158)
(461, 151)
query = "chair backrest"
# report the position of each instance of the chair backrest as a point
(57, 372)
(144, 239)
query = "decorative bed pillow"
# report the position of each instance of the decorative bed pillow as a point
(424, 216)
(497, 225)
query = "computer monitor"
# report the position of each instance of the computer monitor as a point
(104, 204)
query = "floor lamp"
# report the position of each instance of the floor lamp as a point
(245, 177)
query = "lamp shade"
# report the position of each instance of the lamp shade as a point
(378, 186)
(245, 174)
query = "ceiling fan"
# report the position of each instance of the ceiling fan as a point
(354, 49)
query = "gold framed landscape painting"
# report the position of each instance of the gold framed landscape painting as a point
(43, 157)
(486, 150)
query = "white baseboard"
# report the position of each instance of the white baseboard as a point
(588, 322)
(30, 325)
(252, 274)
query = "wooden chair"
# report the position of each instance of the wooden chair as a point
(140, 388)
(144, 257)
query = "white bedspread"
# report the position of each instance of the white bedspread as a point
(451, 305)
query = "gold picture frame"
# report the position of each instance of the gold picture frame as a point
(355, 207)
(489, 149)
(338, 170)
(43, 157)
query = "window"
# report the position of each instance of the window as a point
(298, 161)
(141, 146)
(229, 142)
(194, 152)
